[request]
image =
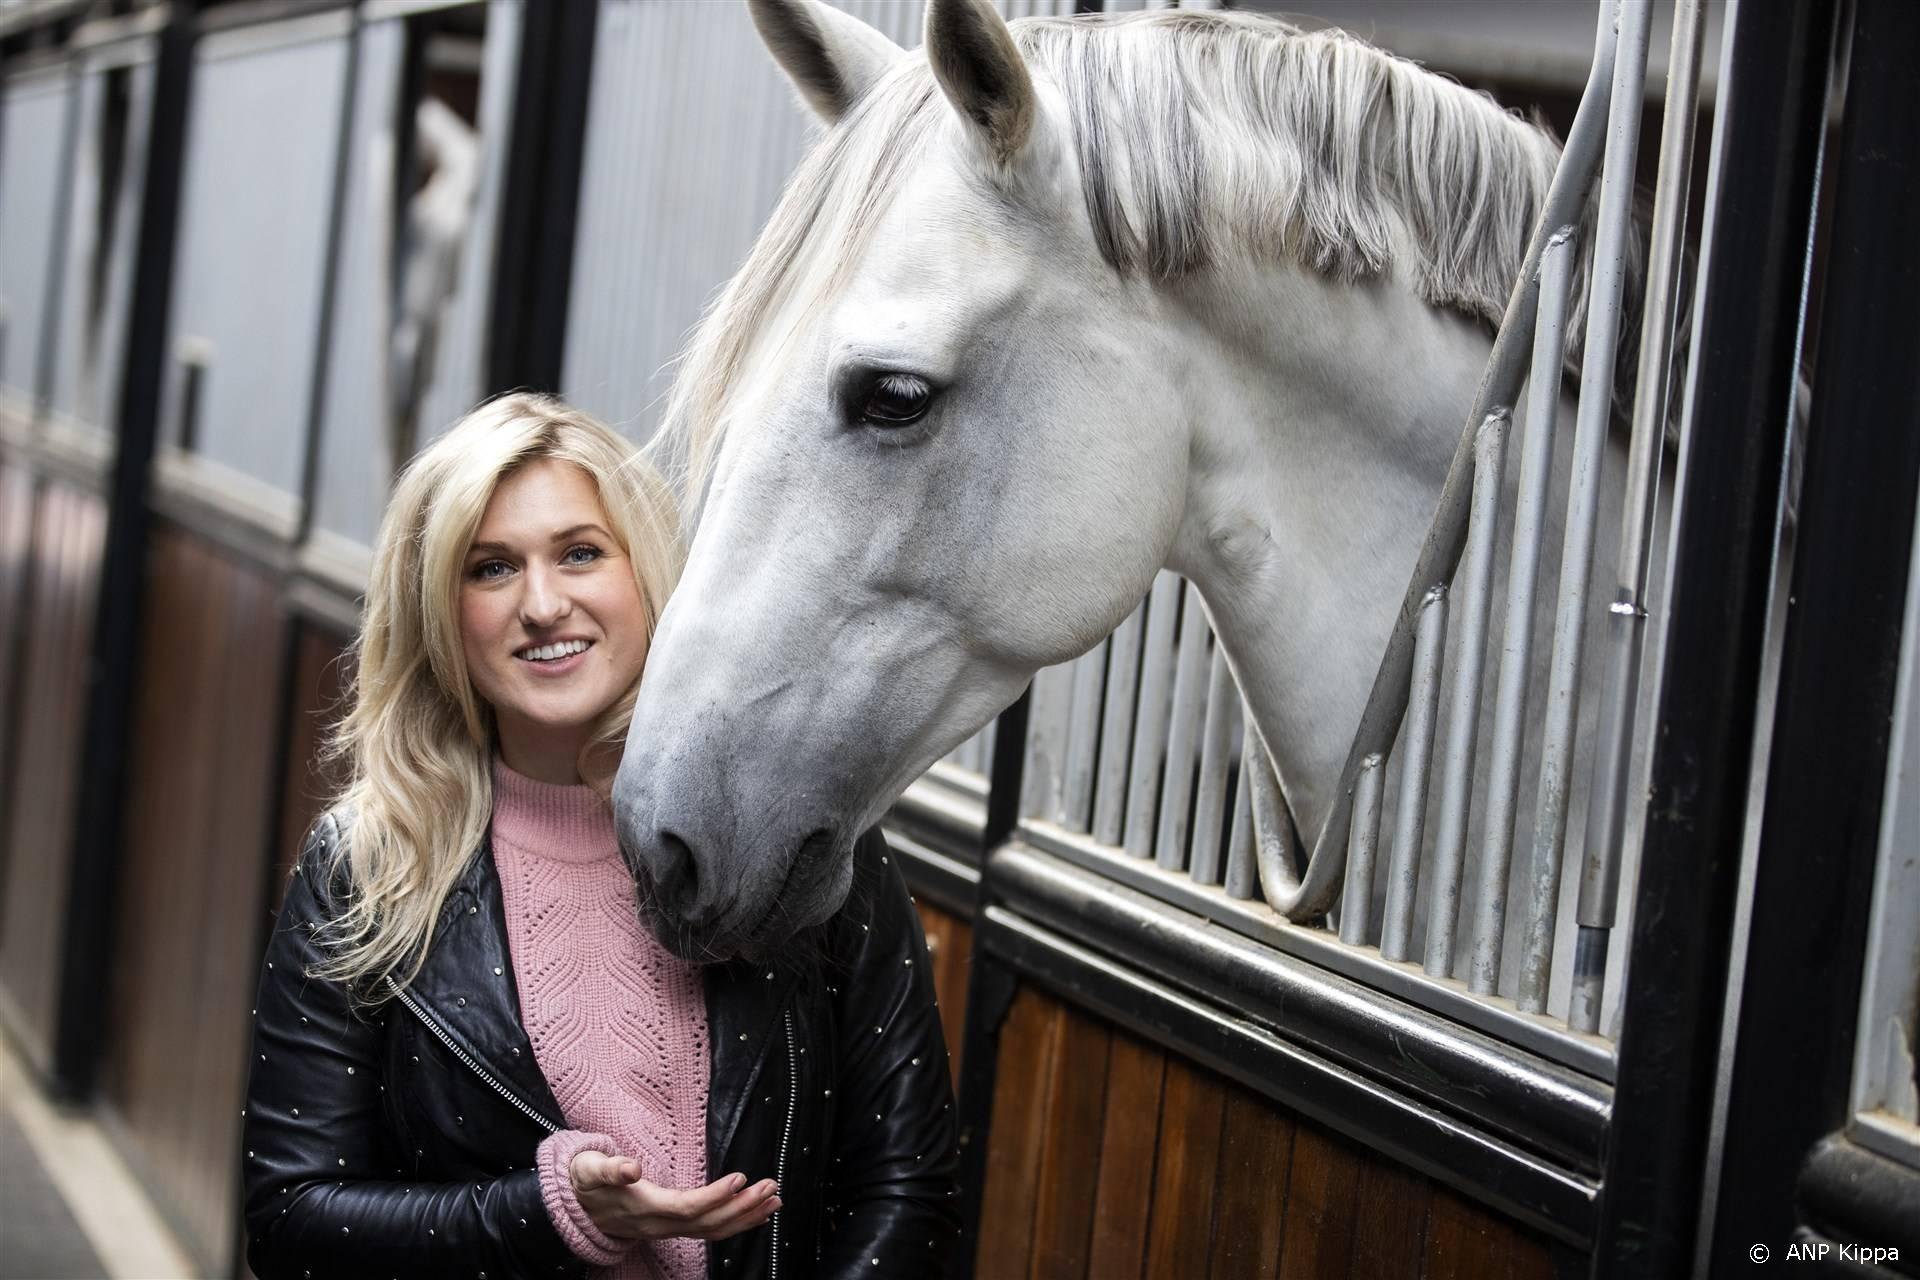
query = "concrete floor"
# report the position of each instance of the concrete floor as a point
(42, 1240)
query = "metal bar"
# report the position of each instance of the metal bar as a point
(1827, 802)
(1243, 877)
(1516, 656)
(1040, 793)
(1123, 678)
(1463, 714)
(1626, 622)
(1740, 397)
(1500, 385)
(1189, 705)
(1416, 758)
(1083, 737)
(1216, 745)
(1356, 902)
(1589, 445)
(1150, 720)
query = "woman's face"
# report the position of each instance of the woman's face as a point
(551, 620)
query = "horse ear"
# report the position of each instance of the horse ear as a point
(980, 70)
(831, 57)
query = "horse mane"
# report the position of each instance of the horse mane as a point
(1203, 137)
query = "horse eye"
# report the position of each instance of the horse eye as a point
(895, 400)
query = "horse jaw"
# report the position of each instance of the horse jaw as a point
(1325, 419)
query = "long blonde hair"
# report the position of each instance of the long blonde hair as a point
(418, 739)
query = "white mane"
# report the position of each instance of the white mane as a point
(1202, 137)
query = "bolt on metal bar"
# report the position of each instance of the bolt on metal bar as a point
(1243, 880)
(1416, 757)
(1589, 450)
(1150, 722)
(1499, 385)
(1216, 744)
(1463, 713)
(1516, 649)
(1356, 902)
(1189, 705)
(1123, 678)
(1626, 631)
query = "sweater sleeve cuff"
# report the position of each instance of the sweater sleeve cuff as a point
(587, 1241)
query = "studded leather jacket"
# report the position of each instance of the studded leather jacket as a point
(397, 1138)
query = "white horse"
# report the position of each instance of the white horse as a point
(1047, 308)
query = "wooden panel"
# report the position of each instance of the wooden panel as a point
(1192, 1175)
(16, 550)
(1123, 1195)
(1187, 1172)
(321, 674)
(951, 941)
(1256, 1161)
(69, 529)
(1076, 1111)
(201, 789)
(1028, 1040)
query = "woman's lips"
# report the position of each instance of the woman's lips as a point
(555, 666)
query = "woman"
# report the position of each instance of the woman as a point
(469, 1057)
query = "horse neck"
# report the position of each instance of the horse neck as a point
(1325, 416)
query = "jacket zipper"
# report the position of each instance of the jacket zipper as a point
(786, 1133)
(440, 1034)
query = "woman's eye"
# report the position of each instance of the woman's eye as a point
(895, 400)
(582, 554)
(489, 570)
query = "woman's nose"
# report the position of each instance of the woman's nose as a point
(545, 601)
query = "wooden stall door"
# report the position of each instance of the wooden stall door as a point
(56, 633)
(199, 811)
(1110, 1157)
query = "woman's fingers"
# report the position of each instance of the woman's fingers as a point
(730, 1221)
(712, 1212)
(591, 1170)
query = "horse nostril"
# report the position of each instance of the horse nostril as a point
(677, 877)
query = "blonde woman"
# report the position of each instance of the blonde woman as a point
(470, 1058)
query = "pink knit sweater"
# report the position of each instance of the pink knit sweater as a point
(619, 1026)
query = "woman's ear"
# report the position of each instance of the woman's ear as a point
(832, 57)
(981, 72)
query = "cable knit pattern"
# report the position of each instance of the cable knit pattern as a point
(618, 1024)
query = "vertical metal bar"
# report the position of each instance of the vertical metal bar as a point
(1243, 877)
(1356, 901)
(1589, 450)
(1150, 723)
(1416, 757)
(1189, 705)
(1463, 714)
(1040, 793)
(1516, 650)
(1083, 737)
(1626, 629)
(1116, 727)
(1210, 806)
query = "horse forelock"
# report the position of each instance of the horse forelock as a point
(1202, 137)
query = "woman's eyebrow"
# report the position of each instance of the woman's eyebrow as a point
(501, 548)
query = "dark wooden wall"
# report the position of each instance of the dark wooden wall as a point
(951, 940)
(320, 676)
(1110, 1157)
(16, 558)
(201, 789)
(54, 605)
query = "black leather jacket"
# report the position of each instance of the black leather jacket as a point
(398, 1139)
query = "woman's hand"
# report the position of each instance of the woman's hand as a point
(626, 1206)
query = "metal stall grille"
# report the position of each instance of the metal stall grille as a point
(262, 136)
(114, 92)
(34, 147)
(1426, 883)
(375, 413)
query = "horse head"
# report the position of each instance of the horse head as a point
(912, 430)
